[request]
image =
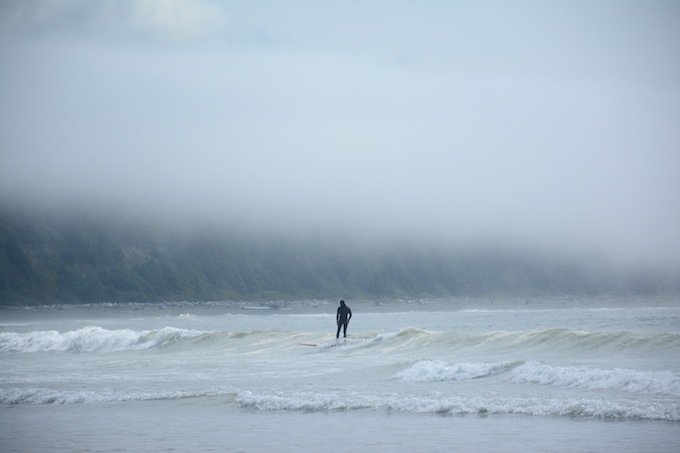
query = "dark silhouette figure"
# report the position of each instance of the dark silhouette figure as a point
(343, 316)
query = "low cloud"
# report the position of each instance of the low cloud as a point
(510, 127)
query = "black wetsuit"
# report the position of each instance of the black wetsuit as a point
(343, 316)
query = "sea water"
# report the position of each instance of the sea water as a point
(499, 375)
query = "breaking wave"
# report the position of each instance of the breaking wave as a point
(663, 383)
(620, 379)
(343, 401)
(52, 396)
(434, 371)
(93, 339)
(455, 405)
(97, 339)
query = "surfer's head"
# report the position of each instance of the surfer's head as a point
(342, 302)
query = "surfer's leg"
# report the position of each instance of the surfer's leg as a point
(344, 330)
(337, 335)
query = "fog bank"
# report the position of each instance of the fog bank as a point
(548, 126)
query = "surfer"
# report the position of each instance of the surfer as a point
(342, 317)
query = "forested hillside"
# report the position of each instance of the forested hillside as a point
(87, 259)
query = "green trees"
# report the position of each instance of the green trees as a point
(88, 259)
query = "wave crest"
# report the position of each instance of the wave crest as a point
(93, 339)
(455, 405)
(653, 382)
(434, 371)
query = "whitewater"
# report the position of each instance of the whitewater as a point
(550, 374)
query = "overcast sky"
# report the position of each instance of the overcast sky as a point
(551, 123)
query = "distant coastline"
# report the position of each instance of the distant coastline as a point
(80, 259)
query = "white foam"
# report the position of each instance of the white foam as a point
(655, 382)
(187, 317)
(433, 371)
(92, 339)
(42, 395)
(454, 405)
(341, 401)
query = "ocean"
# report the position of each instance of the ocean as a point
(468, 374)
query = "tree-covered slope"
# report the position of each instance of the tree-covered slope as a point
(78, 258)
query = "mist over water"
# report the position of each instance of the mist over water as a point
(547, 128)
